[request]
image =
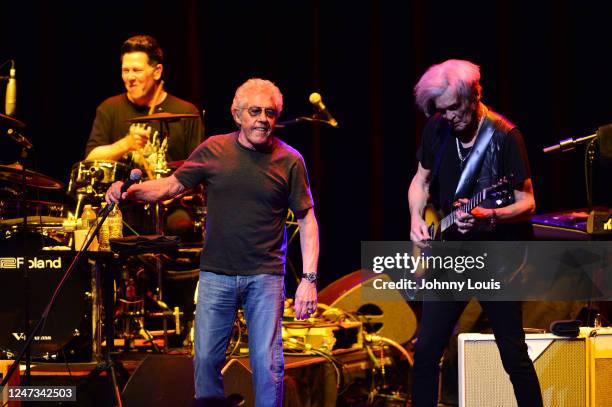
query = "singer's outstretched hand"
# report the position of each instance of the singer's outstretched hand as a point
(148, 191)
(113, 194)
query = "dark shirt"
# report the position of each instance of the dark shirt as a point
(513, 162)
(110, 124)
(248, 195)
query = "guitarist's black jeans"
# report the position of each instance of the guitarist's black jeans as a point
(437, 323)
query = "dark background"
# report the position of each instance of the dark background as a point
(545, 65)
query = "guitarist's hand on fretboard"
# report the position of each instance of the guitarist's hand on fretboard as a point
(466, 221)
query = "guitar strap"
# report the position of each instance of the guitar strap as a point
(474, 161)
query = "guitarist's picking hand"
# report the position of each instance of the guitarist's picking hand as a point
(419, 232)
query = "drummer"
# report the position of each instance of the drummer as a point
(112, 137)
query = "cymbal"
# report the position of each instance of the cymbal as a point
(11, 123)
(162, 116)
(13, 173)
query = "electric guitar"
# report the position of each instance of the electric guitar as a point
(501, 192)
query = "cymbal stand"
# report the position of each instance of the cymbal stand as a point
(26, 276)
(26, 146)
(161, 170)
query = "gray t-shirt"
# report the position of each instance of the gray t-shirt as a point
(248, 195)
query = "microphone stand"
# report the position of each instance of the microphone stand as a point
(302, 119)
(589, 158)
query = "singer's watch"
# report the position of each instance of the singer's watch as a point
(310, 277)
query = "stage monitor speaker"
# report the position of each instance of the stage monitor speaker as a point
(561, 365)
(237, 379)
(161, 380)
(600, 367)
(392, 317)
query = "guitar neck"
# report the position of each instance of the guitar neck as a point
(476, 200)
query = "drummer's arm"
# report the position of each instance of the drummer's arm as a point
(112, 152)
(133, 141)
(116, 150)
(149, 191)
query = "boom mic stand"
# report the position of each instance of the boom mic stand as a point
(302, 119)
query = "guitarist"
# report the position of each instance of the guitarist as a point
(465, 148)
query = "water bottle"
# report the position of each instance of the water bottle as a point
(115, 223)
(88, 217)
(104, 233)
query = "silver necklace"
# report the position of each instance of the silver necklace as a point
(461, 157)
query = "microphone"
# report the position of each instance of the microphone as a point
(135, 176)
(317, 101)
(10, 101)
(603, 134)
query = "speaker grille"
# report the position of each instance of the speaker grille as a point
(603, 382)
(561, 369)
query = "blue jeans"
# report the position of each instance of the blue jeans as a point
(262, 297)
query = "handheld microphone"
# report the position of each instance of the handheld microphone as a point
(317, 101)
(10, 101)
(135, 176)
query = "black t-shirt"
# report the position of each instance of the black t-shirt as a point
(110, 124)
(248, 195)
(438, 136)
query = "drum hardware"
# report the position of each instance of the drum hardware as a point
(20, 175)
(49, 227)
(133, 311)
(161, 170)
(90, 179)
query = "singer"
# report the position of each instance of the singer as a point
(252, 179)
(451, 169)
(111, 137)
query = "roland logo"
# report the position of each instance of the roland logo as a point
(20, 336)
(34, 263)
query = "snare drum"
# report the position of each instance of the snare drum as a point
(94, 177)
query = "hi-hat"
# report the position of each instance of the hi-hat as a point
(14, 173)
(162, 116)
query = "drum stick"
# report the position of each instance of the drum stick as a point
(156, 97)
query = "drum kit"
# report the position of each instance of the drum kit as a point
(44, 225)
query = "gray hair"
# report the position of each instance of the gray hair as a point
(257, 85)
(463, 76)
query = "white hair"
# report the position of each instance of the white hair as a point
(463, 76)
(257, 85)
